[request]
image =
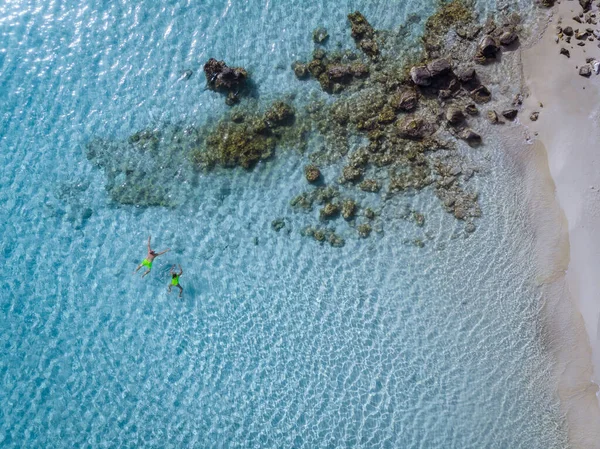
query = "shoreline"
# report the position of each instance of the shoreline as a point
(563, 178)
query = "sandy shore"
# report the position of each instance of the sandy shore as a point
(566, 202)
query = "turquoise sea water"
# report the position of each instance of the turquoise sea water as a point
(278, 341)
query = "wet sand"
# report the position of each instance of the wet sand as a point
(564, 162)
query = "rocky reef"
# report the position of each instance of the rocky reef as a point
(409, 112)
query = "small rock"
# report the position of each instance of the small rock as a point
(470, 228)
(186, 74)
(300, 70)
(364, 230)
(487, 49)
(471, 109)
(581, 44)
(470, 136)
(564, 51)
(466, 75)
(413, 128)
(454, 115)
(481, 94)
(568, 31)
(312, 173)
(581, 35)
(492, 116)
(320, 35)
(585, 70)
(534, 116)
(330, 210)
(508, 37)
(518, 100)
(278, 224)
(405, 101)
(369, 185)
(348, 209)
(510, 114)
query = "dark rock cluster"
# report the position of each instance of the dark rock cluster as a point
(221, 78)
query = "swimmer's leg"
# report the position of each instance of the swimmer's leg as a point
(138, 268)
(169, 291)
(145, 273)
(180, 290)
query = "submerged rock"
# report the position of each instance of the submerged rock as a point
(279, 114)
(348, 209)
(364, 230)
(413, 128)
(312, 173)
(278, 224)
(320, 35)
(364, 34)
(369, 185)
(404, 101)
(300, 70)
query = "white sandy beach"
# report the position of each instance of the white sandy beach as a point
(566, 155)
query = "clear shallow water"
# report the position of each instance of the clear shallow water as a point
(278, 342)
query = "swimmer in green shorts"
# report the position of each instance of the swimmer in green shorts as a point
(175, 280)
(147, 262)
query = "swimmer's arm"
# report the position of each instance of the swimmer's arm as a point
(165, 251)
(180, 270)
(149, 237)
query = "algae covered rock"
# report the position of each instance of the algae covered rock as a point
(280, 114)
(330, 210)
(300, 70)
(320, 35)
(364, 230)
(369, 185)
(312, 173)
(364, 34)
(404, 101)
(348, 209)
(413, 128)
(235, 144)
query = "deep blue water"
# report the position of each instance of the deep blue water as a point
(278, 341)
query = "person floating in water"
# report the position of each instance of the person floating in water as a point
(175, 280)
(147, 262)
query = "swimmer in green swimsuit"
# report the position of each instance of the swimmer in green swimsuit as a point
(147, 262)
(175, 280)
